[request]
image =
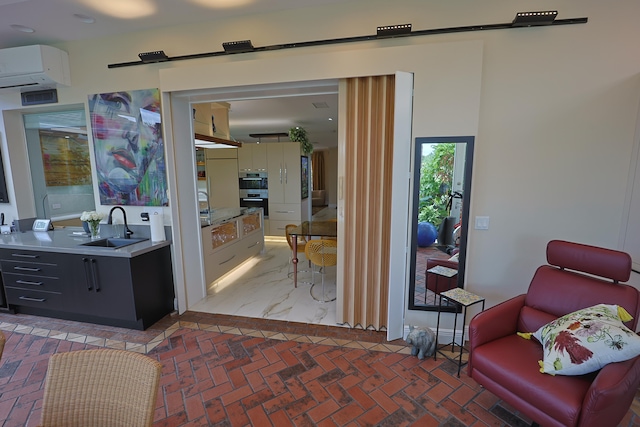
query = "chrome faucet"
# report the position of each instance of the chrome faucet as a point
(127, 232)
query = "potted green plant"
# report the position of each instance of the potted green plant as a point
(298, 134)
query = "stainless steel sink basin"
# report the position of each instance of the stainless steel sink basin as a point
(113, 242)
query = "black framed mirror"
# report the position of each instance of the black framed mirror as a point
(441, 196)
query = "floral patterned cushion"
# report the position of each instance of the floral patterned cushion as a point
(586, 340)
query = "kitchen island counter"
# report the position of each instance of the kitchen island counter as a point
(52, 274)
(235, 236)
(64, 240)
(221, 215)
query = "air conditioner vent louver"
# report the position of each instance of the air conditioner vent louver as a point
(49, 96)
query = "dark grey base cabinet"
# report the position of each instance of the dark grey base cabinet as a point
(127, 292)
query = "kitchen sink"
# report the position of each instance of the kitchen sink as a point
(113, 242)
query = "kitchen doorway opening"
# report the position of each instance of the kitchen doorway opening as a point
(261, 287)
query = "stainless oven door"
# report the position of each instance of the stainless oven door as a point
(253, 181)
(257, 200)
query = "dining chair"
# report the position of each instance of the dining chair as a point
(302, 242)
(322, 253)
(100, 388)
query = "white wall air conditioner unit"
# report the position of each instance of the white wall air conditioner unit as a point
(33, 67)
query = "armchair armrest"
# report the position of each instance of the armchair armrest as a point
(609, 396)
(495, 322)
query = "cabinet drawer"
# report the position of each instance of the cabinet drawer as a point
(225, 260)
(285, 211)
(31, 268)
(36, 283)
(276, 228)
(251, 245)
(48, 300)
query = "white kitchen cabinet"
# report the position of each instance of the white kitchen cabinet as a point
(284, 211)
(283, 166)
(252, 158)
(222, 176)
(222, 153)
(285, 203)
(209, 115)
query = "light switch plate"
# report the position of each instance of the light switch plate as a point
(482, 223)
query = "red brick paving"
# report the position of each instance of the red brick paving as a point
(217, 379)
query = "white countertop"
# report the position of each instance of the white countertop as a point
(64, 241)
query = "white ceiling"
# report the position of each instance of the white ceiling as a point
(53, 22)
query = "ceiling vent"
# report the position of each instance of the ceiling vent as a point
(33, 67)
(47, 96)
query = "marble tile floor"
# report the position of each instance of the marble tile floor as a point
(262, 288)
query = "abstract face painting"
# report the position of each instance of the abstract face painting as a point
(129, 148)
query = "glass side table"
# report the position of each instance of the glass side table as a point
(463, 299)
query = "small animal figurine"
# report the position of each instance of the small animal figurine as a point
(422, 340)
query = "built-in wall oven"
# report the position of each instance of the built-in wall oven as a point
(253, 181)
(255, 199)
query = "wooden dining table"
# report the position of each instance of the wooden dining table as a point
(310, 229)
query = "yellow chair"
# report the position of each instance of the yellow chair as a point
(302, 242)
(323, 253)
(100, 388)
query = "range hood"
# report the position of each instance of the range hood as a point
(206, 141)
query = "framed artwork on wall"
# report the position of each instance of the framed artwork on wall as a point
(304, 176)
(129, 150)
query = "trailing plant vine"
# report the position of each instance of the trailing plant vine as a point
(298, 134)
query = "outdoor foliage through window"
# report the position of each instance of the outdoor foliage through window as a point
(436, 174)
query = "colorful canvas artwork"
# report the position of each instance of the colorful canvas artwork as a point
(129, 148)
(304, 176)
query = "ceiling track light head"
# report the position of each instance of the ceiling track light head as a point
(238, 46)
(393, 31)
(532, 19)
(151, 57)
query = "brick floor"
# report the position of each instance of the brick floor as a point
(218, 378)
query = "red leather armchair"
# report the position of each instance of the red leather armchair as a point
(507, 365)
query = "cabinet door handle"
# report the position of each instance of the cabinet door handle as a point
(26, 268)
(32, 299)
(284, 212)
(286, 181)
(249, 247)
(226, 261)
(280, 173)
(27, 282)
(86, 273)
(24, 255)
(94, 274)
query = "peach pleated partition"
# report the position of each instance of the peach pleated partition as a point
(367, 198)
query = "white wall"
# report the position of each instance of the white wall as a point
(555, 132)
